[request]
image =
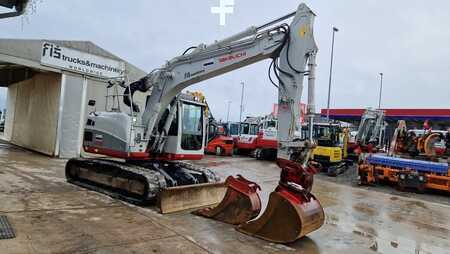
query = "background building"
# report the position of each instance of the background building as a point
(49, 85)
(438, 118)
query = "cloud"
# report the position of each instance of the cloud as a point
(406, 40)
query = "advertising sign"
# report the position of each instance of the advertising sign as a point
(74, 60)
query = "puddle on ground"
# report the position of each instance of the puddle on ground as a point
(383, 241)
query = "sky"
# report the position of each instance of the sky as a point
(406, 40)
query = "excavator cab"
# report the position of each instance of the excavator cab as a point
(328, 135)
(329, 151)
(185, 137)
(190, 123)
(246, 141)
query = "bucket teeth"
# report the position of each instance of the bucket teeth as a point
(240, 204)
(288, 217)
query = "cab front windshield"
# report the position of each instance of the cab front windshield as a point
(253, 129)
(245, 128)
(269, 124)
(192, 127)
(327, 135)
(249, 129)
(234, 129)
(322, 132)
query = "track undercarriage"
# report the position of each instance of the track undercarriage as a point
(144, 182)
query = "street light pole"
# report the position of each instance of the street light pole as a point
(381, 90)
(242, 107)
(331, 72)
(228, 113)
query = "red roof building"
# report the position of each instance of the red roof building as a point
(437, 117)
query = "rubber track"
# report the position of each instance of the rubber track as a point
(6, 230)
(155, 181)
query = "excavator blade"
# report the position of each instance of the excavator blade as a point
(179, 198)
(240, 204)
(287, 218)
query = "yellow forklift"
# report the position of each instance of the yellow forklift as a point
(331, 150)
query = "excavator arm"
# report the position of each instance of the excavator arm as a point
(292, 211)
(291, 48)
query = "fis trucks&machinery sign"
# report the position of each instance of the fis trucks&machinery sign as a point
(81, 62)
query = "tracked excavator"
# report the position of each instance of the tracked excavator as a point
(371, 131)
(147, 148)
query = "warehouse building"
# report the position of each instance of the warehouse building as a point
(49, 84)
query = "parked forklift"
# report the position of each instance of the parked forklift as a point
(219, 142)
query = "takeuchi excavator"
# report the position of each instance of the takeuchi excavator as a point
(147, 147)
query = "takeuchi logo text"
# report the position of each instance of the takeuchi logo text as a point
(55, 51)
(232, 57)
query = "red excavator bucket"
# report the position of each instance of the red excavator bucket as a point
(240, 204)
(289, 216)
